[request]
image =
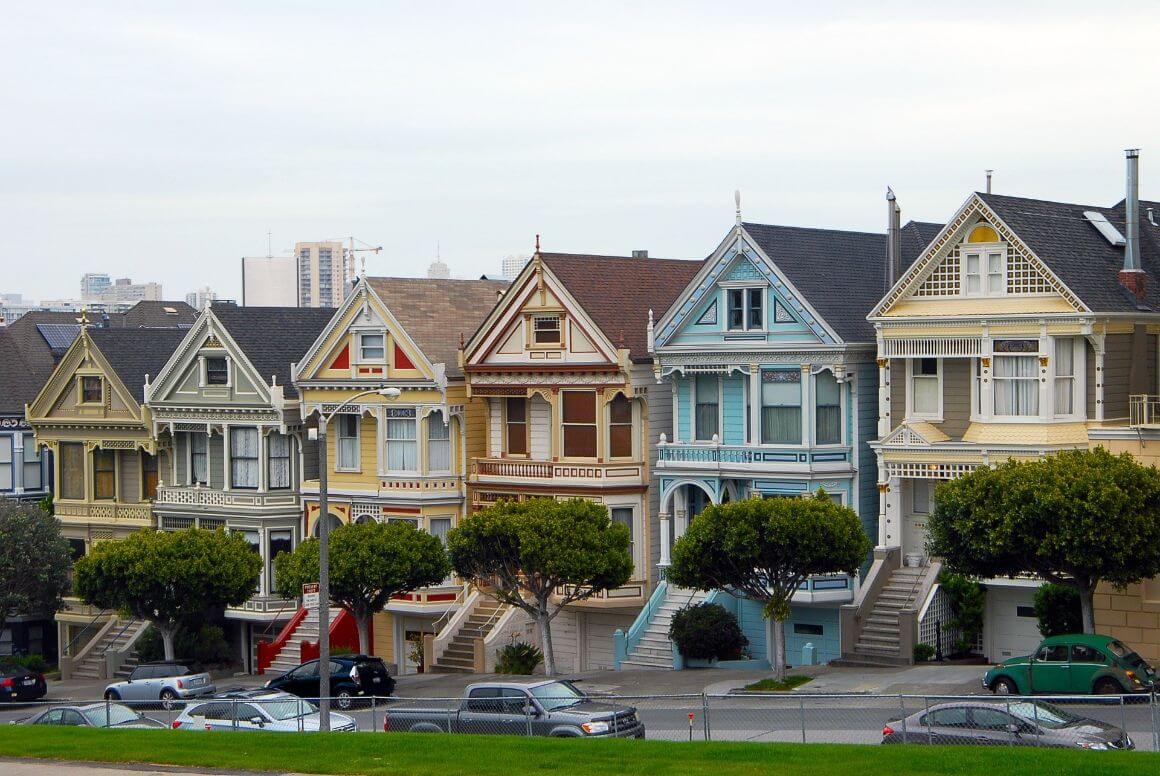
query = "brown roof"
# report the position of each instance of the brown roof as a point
(617, 292)
(436, 313)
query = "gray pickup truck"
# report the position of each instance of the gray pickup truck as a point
(547, 708)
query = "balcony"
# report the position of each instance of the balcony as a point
(714, 457)
(631, 594)
(1145, 411)
(110, 512)
(199, 499)
(511, 471)
(834, 588)
(264, 608)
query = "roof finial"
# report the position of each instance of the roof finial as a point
(537, 243)
(461, 342)
(620, 342)
(363, 272)
(737, 202)
(889, 194)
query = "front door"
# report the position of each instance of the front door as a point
(1086, 662)
(1051, 670)
(918, 508)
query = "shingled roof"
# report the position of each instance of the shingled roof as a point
(840, 274)
(136, 353)
(436, 312)
(151, 314)
(1084, 260)
(617, 292)
(273, 338)
(26, 358)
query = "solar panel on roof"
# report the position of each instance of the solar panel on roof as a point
(59, 336)
(1104, 227)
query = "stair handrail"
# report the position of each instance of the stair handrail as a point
(278, 615)
(460, 597)
(67, 651)
(268, 650)
(485, 629)
(84, 651)
(453, 624)
(119, 634)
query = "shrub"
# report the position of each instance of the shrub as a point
(968, 601)
(1058, 610)
(207, 646)
(707, 632)
(35, 663)
(923, 652)
(518, 658)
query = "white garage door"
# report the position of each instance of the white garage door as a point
(598, 653)
(1012, 628)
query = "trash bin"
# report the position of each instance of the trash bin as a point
(809, 654)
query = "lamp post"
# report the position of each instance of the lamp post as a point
(324, 556)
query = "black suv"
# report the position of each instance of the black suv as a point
(351, 677)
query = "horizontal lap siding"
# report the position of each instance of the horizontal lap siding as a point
(733, 411)
(1117, 372)
(540, 417)
(956, 396)
(685, 408)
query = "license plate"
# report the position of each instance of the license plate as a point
(197, 683)
(376, 679)
(30, 682)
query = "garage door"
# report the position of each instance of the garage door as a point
(1012, 628)
(597, 653)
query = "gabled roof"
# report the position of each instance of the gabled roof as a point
(617, 292)
(841, 274)
(435, 313)
(273, 338)
(135, 353)
(153, 314)
(1081, 257)
(27, 357)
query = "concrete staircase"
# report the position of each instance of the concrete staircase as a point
(119, 638)
(878, 640)
(290, 655)
(459, 655)
(654, 650)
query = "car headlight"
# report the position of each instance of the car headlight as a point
(1098, 746)
(593, 728)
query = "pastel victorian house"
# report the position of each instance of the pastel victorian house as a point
(91, 416)
(231, 415)
(1023, 329)
(397, 457)
(568, 407)
(770, 363)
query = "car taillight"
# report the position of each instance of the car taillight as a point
(386, 723)
(6, 682)
(180, 685)
(887, 730)
(176, 724)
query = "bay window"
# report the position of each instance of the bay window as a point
(347, 445)
(198, 458)
(105, 474)
(438, 444)
(925, 388)
(516, 426)
(827, 409)
(148, 476)
(277, 542)
(781, 407)
(1016, 378)
(278, 460)
(32, 478)
(620, 428)
(244, 458)
(1065, 376)
(402, 441)
(623, 516)
(579, 421)
(706, 409)
(72, 470)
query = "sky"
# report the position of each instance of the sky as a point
(162, 141)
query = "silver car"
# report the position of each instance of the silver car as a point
(98, 715)
(277, 712)
(166, 683)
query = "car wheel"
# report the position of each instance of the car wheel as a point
(1004, 686)
(112, 695)
(1107, 686)
(168, 699)
(343, 700)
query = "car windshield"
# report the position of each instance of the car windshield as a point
(286, 709)
(1044, 714)
(557, 695)
(108, 716)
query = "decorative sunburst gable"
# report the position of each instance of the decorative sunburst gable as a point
(180, 380)
(940, 272)
(739, 260)
(59, 399)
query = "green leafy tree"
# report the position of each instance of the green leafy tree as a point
(1076, 518)
(370, 563)
(526, 553)
(34, 561)
(765, 549)
(171, 578)
(1058, 610)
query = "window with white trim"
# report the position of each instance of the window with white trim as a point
(372, 347)
(925, 388)
(624, 516)
(244, 458)
(1066, 386)
(6, 456)
(984, 271)
(438, 444)
(217, 370)
(278, 460)
(198, 458)
(32, 478)
(827, 409)
(547, 330)
(1016, 378)
(347, 443)
(746, 308)
(402, 441)
(781, 406)
(707, 405)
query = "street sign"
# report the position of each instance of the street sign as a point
(310, 595)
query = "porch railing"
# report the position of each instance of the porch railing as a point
(1145, 410)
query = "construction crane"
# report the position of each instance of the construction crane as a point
(350, 250)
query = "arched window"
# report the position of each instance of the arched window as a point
(335, 522)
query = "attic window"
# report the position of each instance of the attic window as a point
(983, 234)
(372, 347)
(546, 330)
(217, 371)
(91, 390)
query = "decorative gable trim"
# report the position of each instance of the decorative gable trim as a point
(709, 317)
(64, 376)
(928, 273)
(914, 435)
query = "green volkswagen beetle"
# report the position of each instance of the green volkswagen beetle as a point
(1075, 664)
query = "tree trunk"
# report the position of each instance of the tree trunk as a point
(1086, 595)
(546, 640)
(779, 650)
(167, 633)
(364, 630)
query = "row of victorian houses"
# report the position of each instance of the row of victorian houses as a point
(869, 364)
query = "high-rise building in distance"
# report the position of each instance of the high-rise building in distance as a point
(322, 275)
(199, 298)
(514, 265)
(93, 284)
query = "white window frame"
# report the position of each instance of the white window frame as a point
(842, 430)
(1045, 412)
(431, 419)
(1078, 369)
(415, 440)
(693, 392)
(32, 455)
(189, 437)
(338, 437)
(746, 291)
(983, 250)
(362, 359)
(635, 548)
(911, 413)
(204, 371)
(533, 343)
(8, 443)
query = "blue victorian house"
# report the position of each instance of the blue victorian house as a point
(775, 388)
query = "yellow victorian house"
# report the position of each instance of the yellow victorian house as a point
(398, 457)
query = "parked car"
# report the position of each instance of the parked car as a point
(1079, 663)
(168, 683)
(258, 710)
(351, 677)
(97, 715)
(17, 683)
(1019, 723)
(546, 708)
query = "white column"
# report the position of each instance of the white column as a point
(18, 462)
(986, 383)
(262, 467)
(666, 549)
(225, 456)
(1046, 384)
(883, 397)
(676, 407)
(807, 405)
(1098, 344)
(754, 404)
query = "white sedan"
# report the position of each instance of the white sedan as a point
(258, 710)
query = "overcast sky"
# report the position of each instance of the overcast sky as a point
(162, 140)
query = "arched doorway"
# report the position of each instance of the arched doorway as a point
(335, 522)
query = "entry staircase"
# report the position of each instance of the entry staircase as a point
(879, 639)
(648, 645)
(101, 656)
(460, 633)
(287, 648)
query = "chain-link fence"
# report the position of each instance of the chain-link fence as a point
(1092, 722)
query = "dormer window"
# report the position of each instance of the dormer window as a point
(547, 330)
(92, 390)
(217, 370)
(746, 309)
(372, 347)
(984, 263)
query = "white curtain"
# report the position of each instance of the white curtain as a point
(401, 445)
(1064, 376)
(6, 463)
(706, 416)
(278, 450)
(197, 458)
(438, 444)
(1016, 385)
(244, 457)
(348, 441)
(781, 409)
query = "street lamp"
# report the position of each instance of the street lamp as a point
(324, 556)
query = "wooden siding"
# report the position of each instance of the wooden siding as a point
(540, 428)
(129, 474)
(216, 461)
(897, 391)
(1090, 381)
(477, 428)
(383, 628)
(733, 410)
(495, 426)
(956, 396)
(866, 378)
(658, 414)
(1117, 372)
(685, 409)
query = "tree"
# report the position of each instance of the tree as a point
(524, 553)
(1076, 518)
(170, 578)
(1058, 610)
(765, 549)
(34, 561)
(370, 563)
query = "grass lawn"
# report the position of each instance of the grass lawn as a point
(772, 685)
(418, 754)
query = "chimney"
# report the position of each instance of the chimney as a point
(1132, 276)
(893, 239)
(640, 254)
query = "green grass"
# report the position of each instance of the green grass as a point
(440, 755)
(773, 685)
